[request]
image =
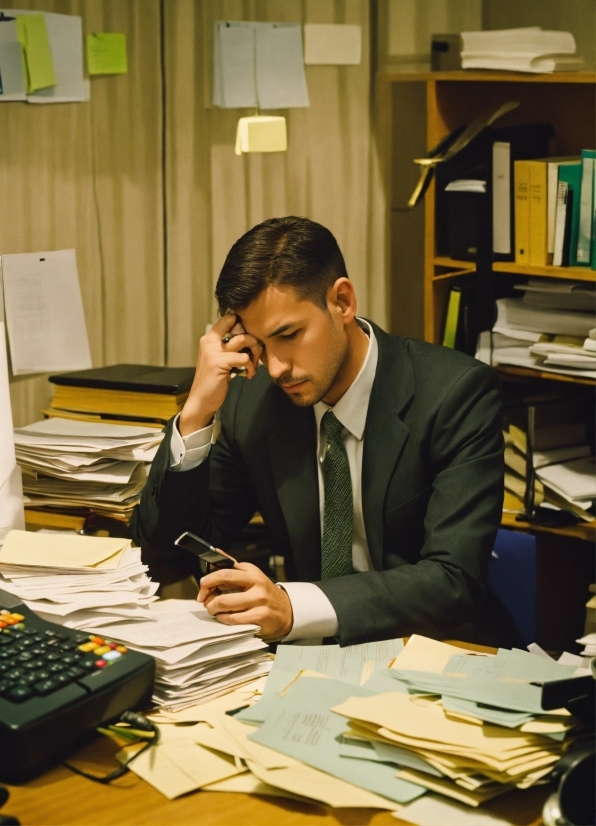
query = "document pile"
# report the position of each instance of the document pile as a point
(81, 467)
(100, 585)
(520, 50)
(564, 466)
(589, 643)
(197, 658)
(78, 581)
(340, 727)
(551, 329)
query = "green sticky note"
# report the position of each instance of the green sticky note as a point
(38, 62)
(106, 54)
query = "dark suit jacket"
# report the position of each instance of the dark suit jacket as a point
(432, 488)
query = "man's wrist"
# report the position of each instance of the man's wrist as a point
(190, 421)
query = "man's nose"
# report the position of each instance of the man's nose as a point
(277, 367)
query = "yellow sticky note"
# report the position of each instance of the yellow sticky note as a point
(37, 54)
(106, 54)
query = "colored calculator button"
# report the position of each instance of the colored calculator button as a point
(99, 652)
(18, 617)
(87, 646)
(98, 640)
(112, 655)
(113, 645)
(100, 663)
(4, 611)
(122, 649)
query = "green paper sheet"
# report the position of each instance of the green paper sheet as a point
(304, 727)
(37, 55)
(106, 54)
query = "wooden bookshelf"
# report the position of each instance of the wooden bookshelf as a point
(449, 100)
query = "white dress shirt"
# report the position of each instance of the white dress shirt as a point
(314, 615)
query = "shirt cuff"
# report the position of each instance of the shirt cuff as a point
(314, 615)
(187, 452)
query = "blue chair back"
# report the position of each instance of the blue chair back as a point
(512, 577)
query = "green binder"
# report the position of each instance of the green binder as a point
(572, 174)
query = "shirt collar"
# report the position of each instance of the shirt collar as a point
(352, 408)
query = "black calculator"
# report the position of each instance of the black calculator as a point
(56, 685)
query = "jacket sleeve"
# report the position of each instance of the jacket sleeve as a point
(446, 587)
(214, 500)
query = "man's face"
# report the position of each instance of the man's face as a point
(304, 347)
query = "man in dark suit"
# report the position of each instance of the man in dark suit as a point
(375, 460)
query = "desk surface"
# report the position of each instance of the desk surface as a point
(60, 798)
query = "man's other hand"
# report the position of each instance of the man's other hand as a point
(244, 595)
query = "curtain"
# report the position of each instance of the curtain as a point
(143, 181)
(89, 176)
(329, 173)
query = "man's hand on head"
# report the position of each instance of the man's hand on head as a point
(220, 351)
(244, 595)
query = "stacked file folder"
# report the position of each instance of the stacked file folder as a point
(76, 468)
(528, 49)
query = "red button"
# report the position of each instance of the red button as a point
(100, 663)
(112, 645)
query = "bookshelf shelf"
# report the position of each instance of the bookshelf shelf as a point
(570, 273)
(527, 374)
(583, 530)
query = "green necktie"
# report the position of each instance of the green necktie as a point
(336, 547)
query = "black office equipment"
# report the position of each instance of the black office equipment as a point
(56, 685)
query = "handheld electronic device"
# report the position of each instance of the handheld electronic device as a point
(210, 557)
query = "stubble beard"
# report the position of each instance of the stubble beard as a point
(321, 386)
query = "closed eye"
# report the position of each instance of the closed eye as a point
(289, 336)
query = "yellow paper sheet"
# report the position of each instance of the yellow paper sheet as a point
(37, 53)
(419, 719)
(316, 785)
(247, 783)
(238, 732)
(61, 550)
(155, 767)
(450, 789)
(106, 54)
(424, 654)
(202, 765)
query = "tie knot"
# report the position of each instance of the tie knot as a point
(333, 427)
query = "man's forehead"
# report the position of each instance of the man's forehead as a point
(273, 309)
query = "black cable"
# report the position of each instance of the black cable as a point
(137, 721)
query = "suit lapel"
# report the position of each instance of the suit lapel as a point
(385, 435)
(292, 443)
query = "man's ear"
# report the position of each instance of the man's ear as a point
(342, 299)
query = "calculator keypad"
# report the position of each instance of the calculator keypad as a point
(35, 662)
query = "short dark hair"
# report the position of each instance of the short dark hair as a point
(282, 252)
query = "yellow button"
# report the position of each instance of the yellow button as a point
(18, 617)
(122, 649)
(87, 646)
(101, 650)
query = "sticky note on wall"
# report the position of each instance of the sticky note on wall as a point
(332, 44)
(37, 54)
(261, 133)
(106, 53)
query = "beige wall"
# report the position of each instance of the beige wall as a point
(90, 176)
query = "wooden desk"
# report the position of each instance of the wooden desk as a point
(61, 798)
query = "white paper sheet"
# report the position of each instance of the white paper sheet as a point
(332, 44)
(65, 32)
(11, 63)
(12, 514)
(258, 64)
(44, 312)
(7, 453)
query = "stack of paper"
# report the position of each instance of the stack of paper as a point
(520, 50)
(589, 643)
(548, 329)
(197, 657)
(100, 585)
(76, 581)
(574, 482)
(71, 465)
(339, 726)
